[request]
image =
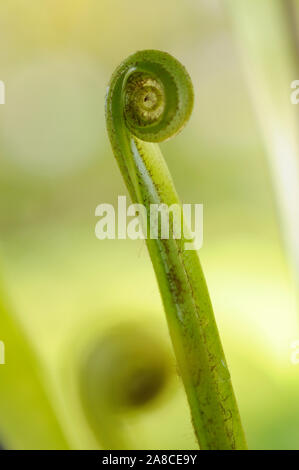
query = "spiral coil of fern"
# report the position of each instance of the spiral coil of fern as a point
(149, 99)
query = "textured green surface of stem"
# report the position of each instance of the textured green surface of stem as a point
(149, 99)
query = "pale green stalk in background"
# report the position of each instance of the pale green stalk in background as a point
(149, 99)
(28, 418)
(266, 39)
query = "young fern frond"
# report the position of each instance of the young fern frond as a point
(149, 99)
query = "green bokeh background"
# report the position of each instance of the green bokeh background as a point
(65, 287)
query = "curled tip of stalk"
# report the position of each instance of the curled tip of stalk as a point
(156, 95)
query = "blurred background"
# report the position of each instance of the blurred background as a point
(79, 316)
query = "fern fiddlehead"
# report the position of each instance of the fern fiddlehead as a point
(149, 99)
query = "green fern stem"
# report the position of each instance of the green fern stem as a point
(149, 99)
